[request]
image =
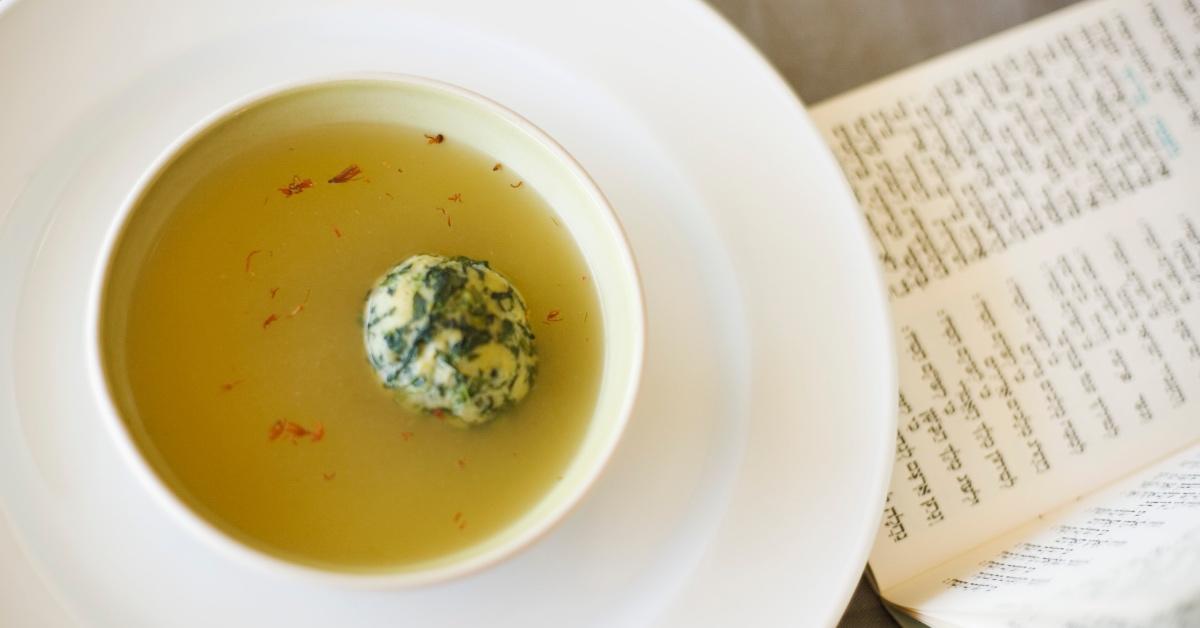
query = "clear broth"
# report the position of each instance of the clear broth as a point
(210, 345)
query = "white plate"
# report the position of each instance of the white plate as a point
(748, 486)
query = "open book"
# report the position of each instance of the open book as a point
(1035, 202)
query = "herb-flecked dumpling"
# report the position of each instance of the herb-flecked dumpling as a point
(450, 335)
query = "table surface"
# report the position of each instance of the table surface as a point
(825, 47)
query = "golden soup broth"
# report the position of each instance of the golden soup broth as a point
(245, 308)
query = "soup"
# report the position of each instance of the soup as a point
(232, 339)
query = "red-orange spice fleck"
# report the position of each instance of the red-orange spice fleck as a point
(434, 139)
(406, 435)
(297, 186)
(347, 174)
(273, 291)
(516, 185)
(295, 431)
(462, 525)
(250, 257)
(270, 319)
(456, 517)
(330, 475)
(228, 386)
(553, 316)
(439, 413)
(337, 232)
(456, 197)
(462, 464)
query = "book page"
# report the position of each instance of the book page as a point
(1035, 204)
(1127, 556)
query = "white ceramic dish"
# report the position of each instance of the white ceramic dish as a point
(487, 126)
(748, 485)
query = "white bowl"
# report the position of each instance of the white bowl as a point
(544, 165)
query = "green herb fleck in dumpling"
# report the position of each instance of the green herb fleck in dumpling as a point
(450, 335)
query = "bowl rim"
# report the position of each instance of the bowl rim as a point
(229, 546)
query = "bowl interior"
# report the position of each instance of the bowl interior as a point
(542, 164)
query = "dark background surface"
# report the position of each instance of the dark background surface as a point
(826, 47)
